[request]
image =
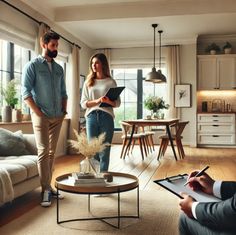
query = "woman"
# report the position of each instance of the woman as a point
(99, 119)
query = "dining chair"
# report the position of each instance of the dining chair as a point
(128, 143)
(176, 135)
(148, 133)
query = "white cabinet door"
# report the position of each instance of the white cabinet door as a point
(217, 72)
(207, 73)
(226, 72)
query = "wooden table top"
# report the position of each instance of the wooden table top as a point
(152, 122)
(121, 182)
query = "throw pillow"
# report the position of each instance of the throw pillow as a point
(12, 144)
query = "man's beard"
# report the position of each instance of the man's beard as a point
(52, 54)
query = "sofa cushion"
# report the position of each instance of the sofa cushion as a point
(20, 168)
(18, 173)
(12, 143)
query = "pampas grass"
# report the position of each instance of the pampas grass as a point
(88, 148)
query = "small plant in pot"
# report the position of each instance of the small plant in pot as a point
(227, 48)
(9, 95)
(212, 49)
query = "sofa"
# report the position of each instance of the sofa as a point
(18, 165)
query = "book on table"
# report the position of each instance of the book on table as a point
(87, 180)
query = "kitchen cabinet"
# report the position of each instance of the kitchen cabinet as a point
(216, 129)
(217, 72)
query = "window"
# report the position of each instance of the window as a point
(136, 91)
(12, 61)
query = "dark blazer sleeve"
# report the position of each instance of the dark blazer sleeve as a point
(220, 215)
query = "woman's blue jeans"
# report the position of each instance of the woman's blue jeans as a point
(98, 122)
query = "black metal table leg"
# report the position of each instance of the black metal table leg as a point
(171, 141)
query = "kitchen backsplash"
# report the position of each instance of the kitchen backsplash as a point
(224, 101)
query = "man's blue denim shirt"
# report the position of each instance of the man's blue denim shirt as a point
(47, 88)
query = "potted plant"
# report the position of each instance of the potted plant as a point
(9, 95)
(155, 104)
(212, 49)
(227, 48)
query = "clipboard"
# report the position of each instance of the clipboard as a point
(175, 184)
(113, 94)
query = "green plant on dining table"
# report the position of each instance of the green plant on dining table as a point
(155, 103)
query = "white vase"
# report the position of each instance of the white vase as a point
(227, 50)
(16, 115)
(212, 52)
(6, 114)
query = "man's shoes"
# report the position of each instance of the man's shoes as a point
(54, 194)
(46, 198)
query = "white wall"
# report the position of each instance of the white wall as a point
(188, 74)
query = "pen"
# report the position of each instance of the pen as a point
(198, 174)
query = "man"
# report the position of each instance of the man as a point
(44, 91)
(211, 217)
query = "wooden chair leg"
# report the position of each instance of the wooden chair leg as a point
(152, 143)
(141, 147)
(160, 149)
(178, 144)
(166, 142)
(182, 149)
(144, 145)
(133, 143)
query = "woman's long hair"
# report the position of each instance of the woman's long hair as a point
(105, 69)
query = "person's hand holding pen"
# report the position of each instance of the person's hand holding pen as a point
(197, 180)
(203, 182)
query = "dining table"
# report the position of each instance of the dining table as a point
(167, 122)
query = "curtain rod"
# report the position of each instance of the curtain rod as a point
(39, 22)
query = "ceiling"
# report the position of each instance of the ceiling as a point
(127, 23)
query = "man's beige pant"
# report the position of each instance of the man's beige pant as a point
(46, 132)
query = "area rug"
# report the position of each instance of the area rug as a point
(159, 214)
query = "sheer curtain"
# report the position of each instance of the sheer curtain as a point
(173, 71)
(43, 28)
(73, 91)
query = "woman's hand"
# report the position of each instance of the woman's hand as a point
(105, 99)
(186, 204)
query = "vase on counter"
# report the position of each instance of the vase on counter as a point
(6, 114)
(16, 115)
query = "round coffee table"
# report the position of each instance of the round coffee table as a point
(122, 182)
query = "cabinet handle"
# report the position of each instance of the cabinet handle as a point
(215, 116)
(215, 136)
(215, 120)
(215, 125)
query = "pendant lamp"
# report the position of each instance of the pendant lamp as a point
(156, 76)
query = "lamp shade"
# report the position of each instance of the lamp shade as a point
(156, 76)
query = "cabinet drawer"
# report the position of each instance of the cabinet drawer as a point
(216, 128)
(222, 139)
(230, 118)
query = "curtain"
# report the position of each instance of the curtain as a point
(73, 91)
(173, 71)
(43, 28)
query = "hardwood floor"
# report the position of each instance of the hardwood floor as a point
(222, 164)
